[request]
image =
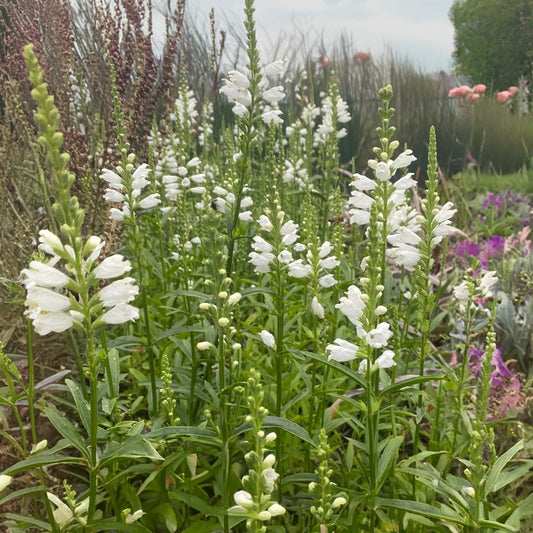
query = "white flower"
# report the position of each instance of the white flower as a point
(403, 160)
(260, 245)
(202, 346)
(379, 336)
(269, 477)
(275, 68)
(488, 281)
(285, 257)
(383, 171)
(5, 481)
(329, 262)
(261, 261)
(244, 499)
(120, 313)
(352, 305)
(362, 183)
(44, 275)
(317, 308)
(50, 243)
(405, 182)
(272, 115)
(325, 249)
(274, 95)
(134, 516)
(342, 351)
(386, 359)
(267, 338)
(46, 300)
(297, 269)
(112, 267)
(113, 196)
(327, 281)
(359, 217)
(276, 509)
(112, 178)
(150, 201)
(406, 256)
(246, 202)
(265, 223)
(121, 291)
(62, 514)
(198, 190)
(462, 293)
(234, 298)
(339, 501)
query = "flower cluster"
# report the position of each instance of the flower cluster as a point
(236, 87)
(466, 94)
(54, 299)
(127, 192)
(506, 97)
(334, 110)
(264, 252)
(352, 306)
(186, 178)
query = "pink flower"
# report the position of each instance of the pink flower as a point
(479, 88)
(361, 57)
(464, 90)
(472, 98)
(454, 93)
(324, 61)
(503, 96)
(512, 90)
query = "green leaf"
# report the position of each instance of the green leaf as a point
(181, 431)
(524, 508)
(41, 459)
(410, 382)
(280, 423)
(507, 477)
(81, 405)
(499, 465)
(204, 526)
(133, 448)
(166, 514)
(19, 519)
(124, 341)
(177, 330)
(333, 364)
(30, 491)
(439, 513)
(114, 365)
(63, 426)
(197, 503)
(387, 457)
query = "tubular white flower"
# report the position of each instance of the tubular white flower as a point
(325, 249)
(113, 196)
(383, 171)
(261, 261)
(120, 314)
(297, 269)
(274, 95)
(267, 338)
(112, 178)
(317, 308)
(260, 245)
(327, 281)
(62, 514)
(342, 351)
(386, 359)
(276, 509)
(50, 243)
(352, 305)
(363, 183)
(112, 267)
(329, 262)
(5, 481)
(44, 275)
(121, 291)
(462, 293)
(379, 336)
(488, 281)
(265, 223)
(46, 300)
(150, 201)
(269, 477)
(403, 160)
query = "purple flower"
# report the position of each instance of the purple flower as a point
(495, 245)
(467, 248)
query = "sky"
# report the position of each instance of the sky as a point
(419, 30)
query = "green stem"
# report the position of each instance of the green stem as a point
(93, 467)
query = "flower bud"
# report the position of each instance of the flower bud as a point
(234, 298)
(269, 460)
(469, 491)
(271, 437)
(276, 509)
(339, 501)
(204, 345)
(222, 295)
(5, 481)
(236, 346)
(244, 499)
(264, 516)
(380, 310)
(204, 306)
(223, 322)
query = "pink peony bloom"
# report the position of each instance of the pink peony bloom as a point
(464, 90)
(512, 90)
(479, 88)
(503, 96)
(472, 98)
(454, 93)
(324, 61)
(361, 57)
